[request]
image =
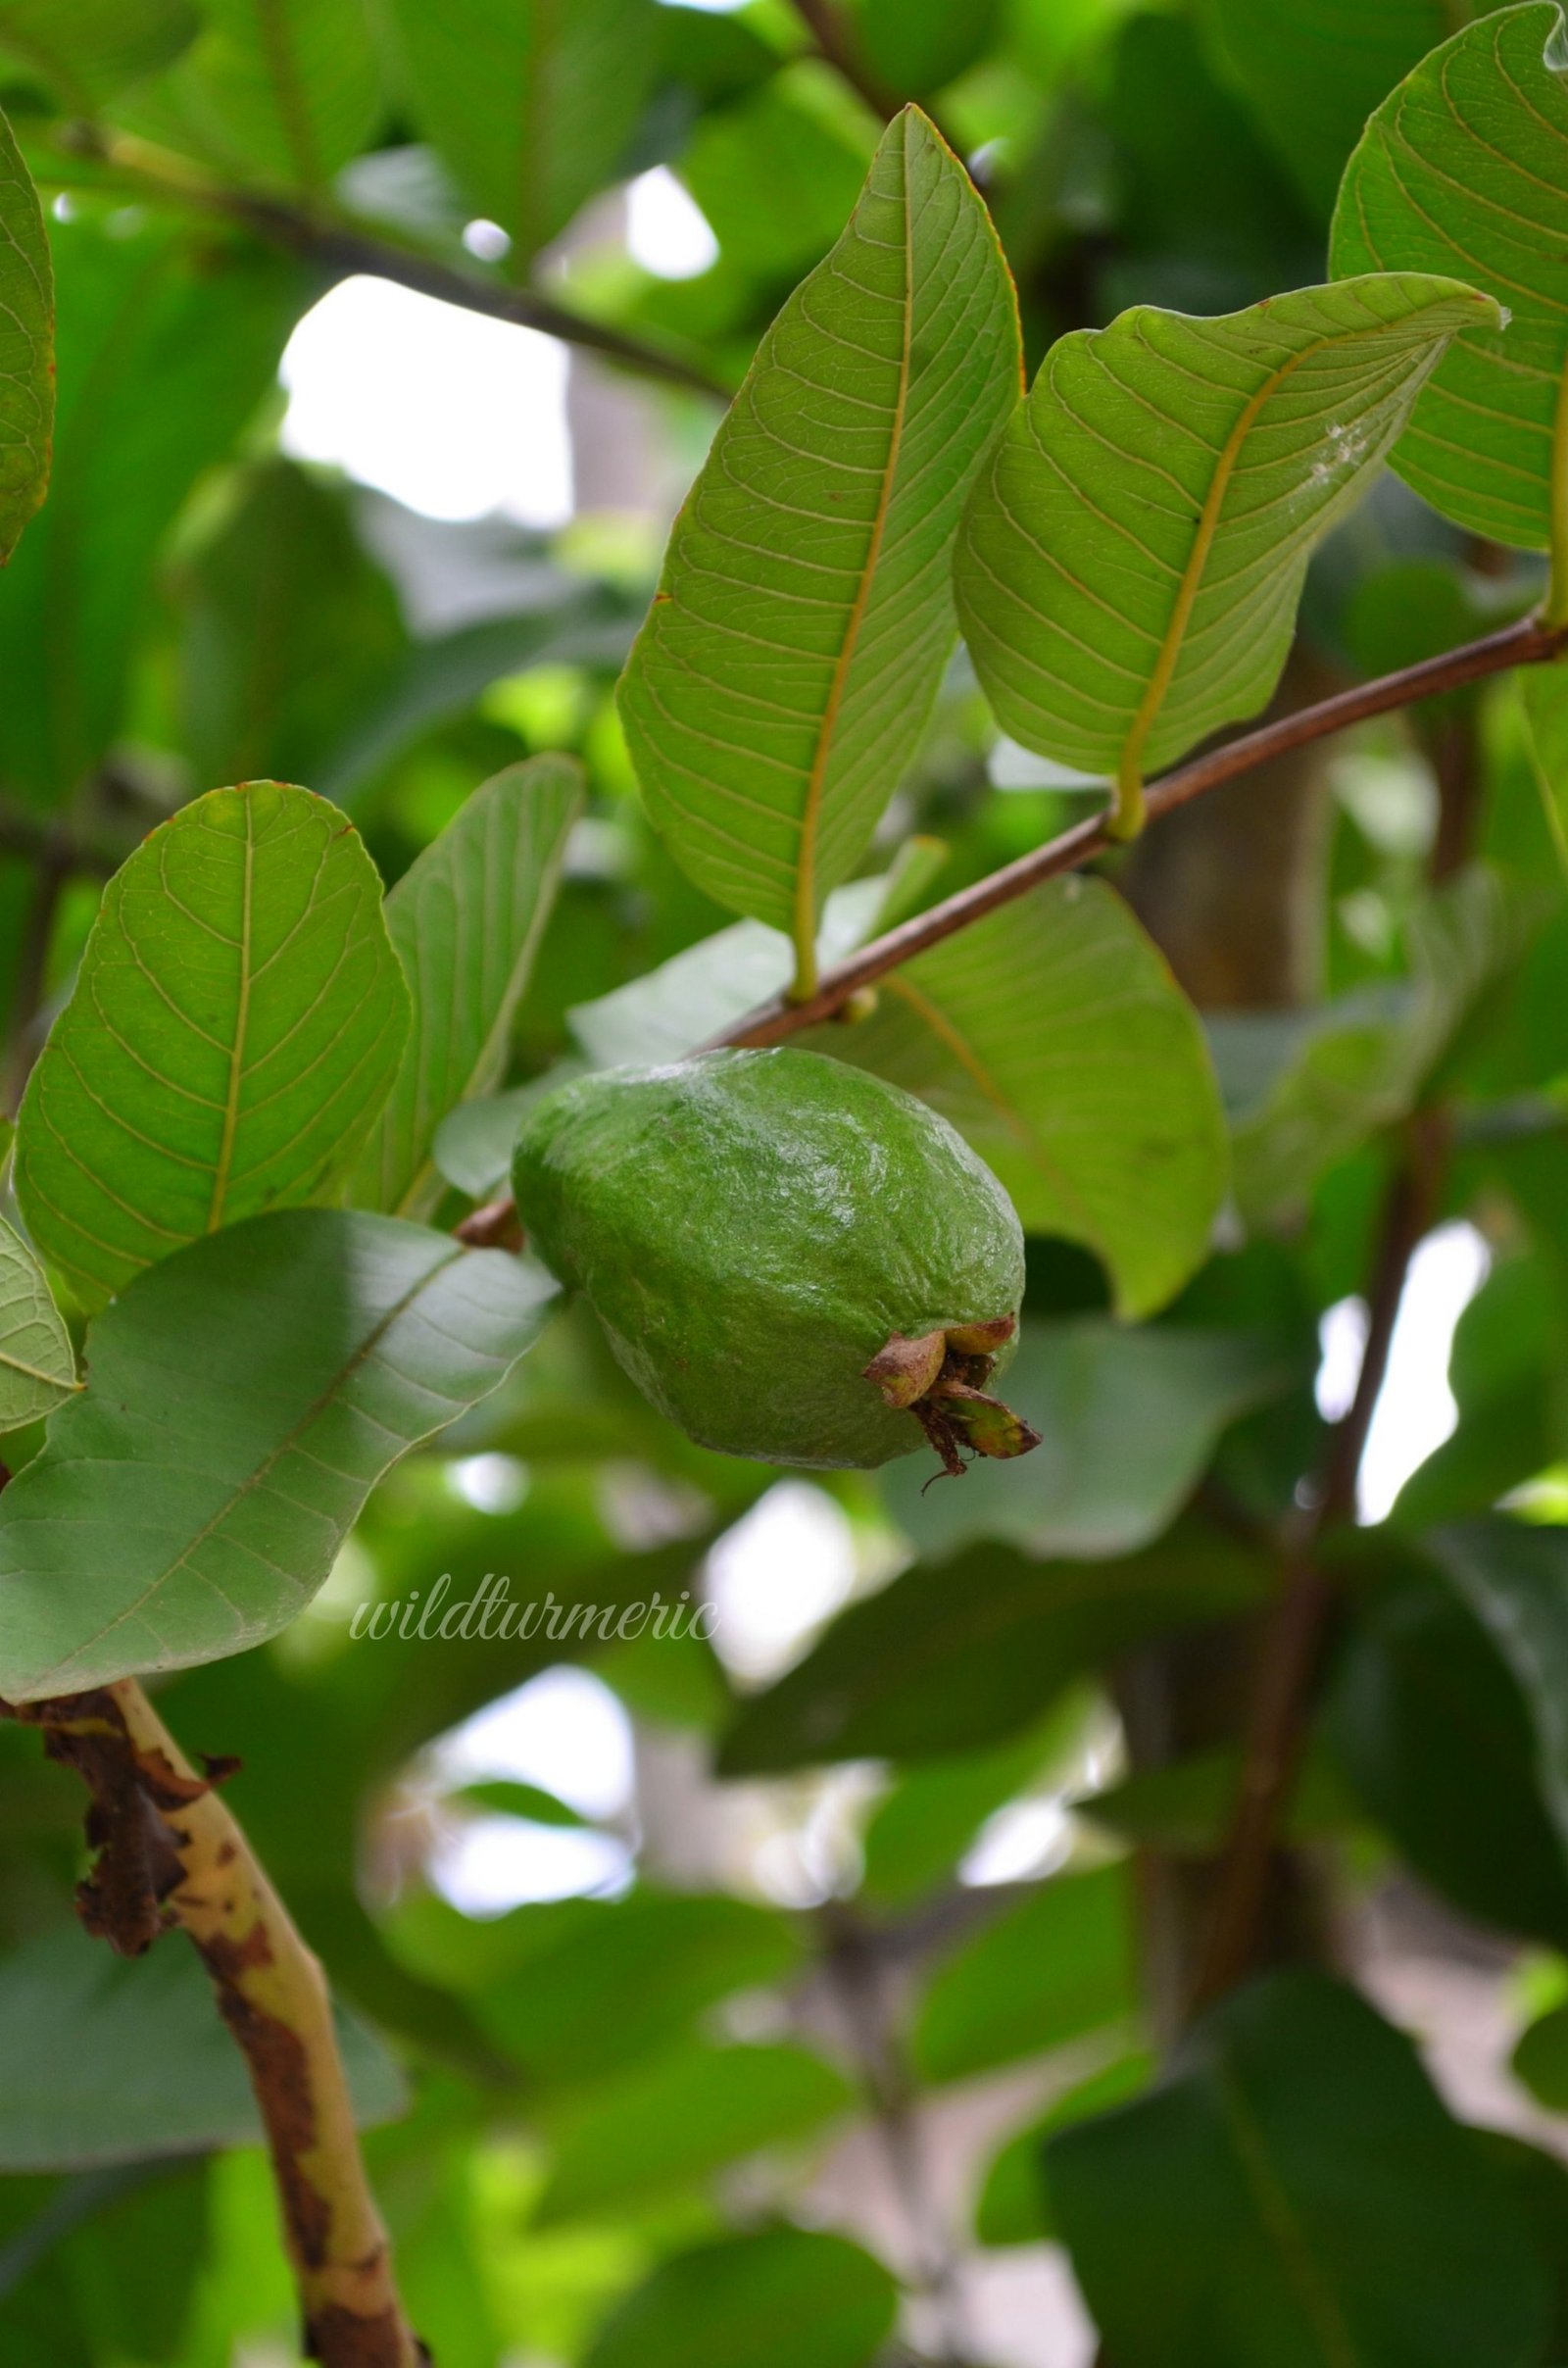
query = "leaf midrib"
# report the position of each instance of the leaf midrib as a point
(1130, 763)
(1282, 2226)
(297, 1430)
(816, 780)
(236, 1059)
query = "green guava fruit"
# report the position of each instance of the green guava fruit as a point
(792, 1259)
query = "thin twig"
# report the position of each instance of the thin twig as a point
(1291, 1641)
(851, 1966)
(170, 1856)
(342, 250)
(1528, 643)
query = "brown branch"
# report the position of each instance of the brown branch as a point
(1528, 643)
(341, 250)
(1292, 1643)
(170, 1857)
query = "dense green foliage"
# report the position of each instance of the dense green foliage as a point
(340, 848)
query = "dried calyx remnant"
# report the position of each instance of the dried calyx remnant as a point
(939, 1379)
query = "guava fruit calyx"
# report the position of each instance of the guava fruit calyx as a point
(939, 1378)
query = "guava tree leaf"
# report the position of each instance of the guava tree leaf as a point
(1054, 1037)
(288, 624)
(955, 1655)
(1544, 707)
(281, 91)
(682, 2117)
(1441, 1745)
(164, 347)
(466, 920)
(1302, 2196)
(237, 1020)
(532, 104)
(37, 1363)
(26, 346)
(1056, 1966)
(1128, 1419)
(571, 623)
(1014, 2205)
(774, 2299)
(474, 1142)
(797, 641)
(1513, 1575)
(243, 1398)
(926, 1820)
(85, 50)
(579, 1990)
(1314, 69)
(1462, 170)
(104, 2061)
(1134, 549)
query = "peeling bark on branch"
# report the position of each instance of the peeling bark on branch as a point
(169, 1855)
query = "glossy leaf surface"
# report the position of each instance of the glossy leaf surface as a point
(798, 637)
(236, 1024)
(243, 1400)
(1133, 554)
(466, 921)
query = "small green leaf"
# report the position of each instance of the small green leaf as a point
(1059, 1965)
(502, 1797)
(26, 346)
(104, 2061)
(1303, 2200)
(88, 49)
(778, 2299)
(466, 920)
(681, 2119)
(1461, 170)
(243, 1398)
(1543, 709)
(1441, 1749)
(1514, 1578)
(923, 1825)
(236, 1023)
(37, 1363)
(1014, 2206)
(954, 1656)
(1133, 553)
(279, 91)
(579, 1990)
(1054, 1037)
(1540, 2059)
(289, 626)
(532, 104)
(796, 644)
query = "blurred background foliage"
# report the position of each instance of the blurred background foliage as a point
(754, 2000)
